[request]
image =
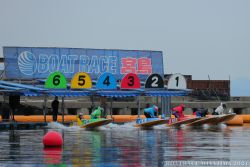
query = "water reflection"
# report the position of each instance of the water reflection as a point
(121, 146)
(14, 145)
(52, 155)
(105, 147)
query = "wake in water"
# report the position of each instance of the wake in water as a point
(128, 125)
(110, 126)
(57, 125)
(163, 126)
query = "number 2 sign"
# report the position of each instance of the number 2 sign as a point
(130, 81)
(56, 80)
(81, 80)
(154, 81)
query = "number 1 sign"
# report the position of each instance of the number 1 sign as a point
(177, 81)
(56, 80)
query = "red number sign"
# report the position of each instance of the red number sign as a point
(130, 81)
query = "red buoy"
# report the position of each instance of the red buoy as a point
(52, 139)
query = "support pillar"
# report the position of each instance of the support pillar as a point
(45, 108)
(139, 106)
(62, 109)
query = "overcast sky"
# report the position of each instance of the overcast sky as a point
(197, 37)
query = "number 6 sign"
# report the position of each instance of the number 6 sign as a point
(56, 80)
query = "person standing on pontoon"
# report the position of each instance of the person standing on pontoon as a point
(54, 106)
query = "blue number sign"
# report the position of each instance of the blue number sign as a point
(106, 81)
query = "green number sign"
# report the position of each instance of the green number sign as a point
(56, 80)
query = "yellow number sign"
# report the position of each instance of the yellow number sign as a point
(81, 80)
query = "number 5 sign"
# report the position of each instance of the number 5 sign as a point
(177, 81)
(56, 80)
(81, 80)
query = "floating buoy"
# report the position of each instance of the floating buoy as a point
(237, 120)
(52, 139)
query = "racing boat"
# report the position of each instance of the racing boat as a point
(213, 120)
(150, 122)
(93, 123)
(184, 121)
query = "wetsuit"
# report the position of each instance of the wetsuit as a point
(178, 111)
(97, 113)
(201, 112)
(150, 112)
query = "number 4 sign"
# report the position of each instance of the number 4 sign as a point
(56, 80)
(177, 81)
(106, 81)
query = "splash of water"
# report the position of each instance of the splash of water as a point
(128, 125)
(163, 126)
(57, 125)
(110, 126)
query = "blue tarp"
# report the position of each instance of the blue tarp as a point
(61, 93)
(165, 93)
(21, 86)
(9, 88)
(131, 93)
(118, 93)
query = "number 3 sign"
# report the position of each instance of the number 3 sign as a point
(130, 81)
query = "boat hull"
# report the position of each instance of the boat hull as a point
(146, 123)
(96, 123)
(182, 122)
(214, 120)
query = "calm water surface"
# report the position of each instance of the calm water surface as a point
(124, 145)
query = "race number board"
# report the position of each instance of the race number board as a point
(56, 80)
(81, 80)
(106, 81)
(130, 81)
(154, 81)
(177, 81)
